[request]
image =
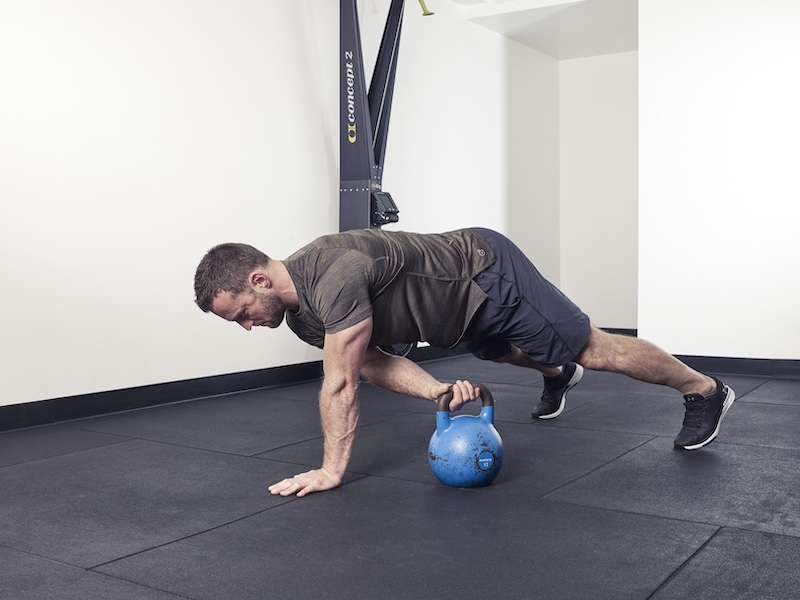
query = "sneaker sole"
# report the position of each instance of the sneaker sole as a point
(730, 396)
(573, 381)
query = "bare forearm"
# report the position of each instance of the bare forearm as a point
(339, 411)
(400, 375)
(338, 403)
(406, 377)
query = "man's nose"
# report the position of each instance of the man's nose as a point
(248, 324)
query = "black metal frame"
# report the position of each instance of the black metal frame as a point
(364, 121)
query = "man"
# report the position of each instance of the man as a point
(351, 292)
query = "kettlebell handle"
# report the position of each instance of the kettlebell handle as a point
(443, 403)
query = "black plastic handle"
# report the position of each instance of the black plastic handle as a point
(443, 403)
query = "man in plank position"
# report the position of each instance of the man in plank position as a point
(351, 292)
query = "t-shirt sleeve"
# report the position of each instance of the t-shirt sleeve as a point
(341, 294)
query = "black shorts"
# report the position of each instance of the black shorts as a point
(523, 310)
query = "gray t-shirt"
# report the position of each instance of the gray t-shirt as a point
(417, 287)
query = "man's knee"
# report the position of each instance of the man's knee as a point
(597, 351)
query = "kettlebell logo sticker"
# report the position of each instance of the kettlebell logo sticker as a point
(485, 460)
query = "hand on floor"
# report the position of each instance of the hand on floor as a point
(317, 480)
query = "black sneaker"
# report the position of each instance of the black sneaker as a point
(704, 416)
(554, 396)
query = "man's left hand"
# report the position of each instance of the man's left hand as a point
(317, 480)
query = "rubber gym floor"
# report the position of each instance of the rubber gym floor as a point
(172, 502)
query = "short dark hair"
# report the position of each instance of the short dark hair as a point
(226, 268)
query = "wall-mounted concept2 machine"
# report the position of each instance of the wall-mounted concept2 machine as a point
(364, 120)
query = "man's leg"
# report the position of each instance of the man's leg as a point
(518, 358)
(525, 311)
(557, 382)
(707, 399)
(641, 360)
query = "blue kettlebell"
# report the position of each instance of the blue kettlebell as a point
(465, 451)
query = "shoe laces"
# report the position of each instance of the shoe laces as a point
(551, 395)
(695, 408)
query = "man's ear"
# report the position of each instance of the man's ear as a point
(259, 279)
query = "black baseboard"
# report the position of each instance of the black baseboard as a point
(69, 408)
(628, 332)
(58, 410)
(758, 367)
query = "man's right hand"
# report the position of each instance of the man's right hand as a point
(463, 392)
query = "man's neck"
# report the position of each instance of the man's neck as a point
(284, 285)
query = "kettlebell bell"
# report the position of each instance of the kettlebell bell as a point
(465, 451)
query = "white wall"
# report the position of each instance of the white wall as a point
(135, 135)
(532, 157)
(445, 150)
(599, 191)
(719, 198)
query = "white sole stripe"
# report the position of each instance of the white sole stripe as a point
(573, 381)
(730, 396)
